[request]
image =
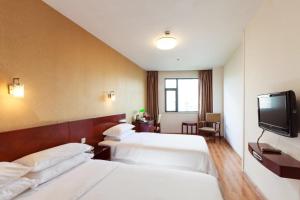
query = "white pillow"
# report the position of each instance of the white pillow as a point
(56, 170)
(121, 137)
(43, 159)
(11, 171)
(118, 130)
(15, 188)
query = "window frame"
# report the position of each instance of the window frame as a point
(176, 91)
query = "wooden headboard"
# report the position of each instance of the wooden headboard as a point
(18, 143)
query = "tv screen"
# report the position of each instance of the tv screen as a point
(277, 113)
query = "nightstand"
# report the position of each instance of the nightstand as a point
(102, 152)
(141, 126)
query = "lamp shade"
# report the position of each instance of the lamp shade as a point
(16, 89)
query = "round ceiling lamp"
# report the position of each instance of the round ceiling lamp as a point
(166, 42)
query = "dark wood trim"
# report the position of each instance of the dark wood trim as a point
(18, 143)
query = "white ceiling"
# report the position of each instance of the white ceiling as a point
(208, 31)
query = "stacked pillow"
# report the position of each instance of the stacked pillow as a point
(119, 131)
(121, 137)
(12, 182)
(37, 168)
(50, 163)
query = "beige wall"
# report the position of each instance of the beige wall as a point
(272, 49)
(170, 121)
(234, 101)
(65, 69)
(218, 76)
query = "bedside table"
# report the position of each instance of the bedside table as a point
(102, 152)
(141, 126)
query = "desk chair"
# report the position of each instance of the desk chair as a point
(157, 124)
(212, 125)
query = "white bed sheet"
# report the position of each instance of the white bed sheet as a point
(105, 180)
(176, 151)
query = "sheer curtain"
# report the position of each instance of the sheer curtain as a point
(152, 94)
(205, 93)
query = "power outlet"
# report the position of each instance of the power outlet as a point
(83, 140)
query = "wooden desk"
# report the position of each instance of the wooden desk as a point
(189, 124)
(141, 126)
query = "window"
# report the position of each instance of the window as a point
(181, 94)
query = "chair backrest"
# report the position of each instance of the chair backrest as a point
(213, 117)
(158, 119)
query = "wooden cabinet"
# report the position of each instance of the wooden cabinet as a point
(141, 126)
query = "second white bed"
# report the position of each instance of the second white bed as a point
(98, 179)
(176, 151)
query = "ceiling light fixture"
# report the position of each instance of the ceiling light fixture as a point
(166, 42)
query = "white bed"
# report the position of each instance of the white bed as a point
(176, 151)
(97, 179)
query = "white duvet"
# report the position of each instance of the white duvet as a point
(176, 151)
(103, 180)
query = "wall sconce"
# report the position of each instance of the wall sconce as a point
(16, 89)
(111, 95)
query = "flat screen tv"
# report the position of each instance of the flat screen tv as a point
(277, 113)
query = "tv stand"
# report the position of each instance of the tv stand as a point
(281, 163)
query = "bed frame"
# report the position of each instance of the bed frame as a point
(18, 143)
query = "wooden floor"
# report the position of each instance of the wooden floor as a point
(233, 182)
